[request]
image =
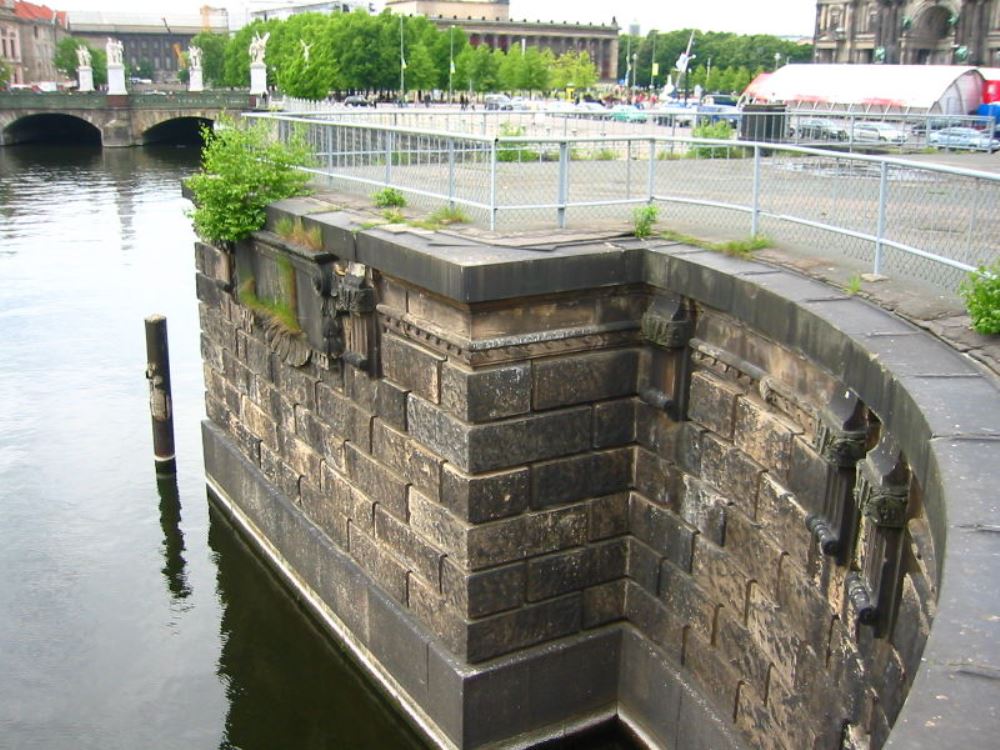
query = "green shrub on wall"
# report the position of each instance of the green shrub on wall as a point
(981, 291)
(243, 170)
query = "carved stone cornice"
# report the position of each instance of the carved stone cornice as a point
(885, 505)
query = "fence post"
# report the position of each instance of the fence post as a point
(493, 184)
(755, 210)
(628, 169)
(451, 173)
(563, 188)
(883, 194)
(388, 157)
(651, 177)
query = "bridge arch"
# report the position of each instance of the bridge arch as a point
(49, 127)
(178, 130)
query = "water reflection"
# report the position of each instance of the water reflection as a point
(173, 538)
(287, 685)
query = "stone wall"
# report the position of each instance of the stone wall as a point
(533, 511)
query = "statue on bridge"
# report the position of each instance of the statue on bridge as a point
(115, 51)
(305, 50)
(257, 47)
(196, 82)
(83, 56)
(194, 57)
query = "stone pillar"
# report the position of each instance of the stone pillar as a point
(195, 82)
(258, 78)
(86, 77)
(116, 79)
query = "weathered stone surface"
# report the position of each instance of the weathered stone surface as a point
(297, 385)
(738, 648)
(299, 455)
(704, 509)
(771, 630)
(564, 381)
(254, 354)
(568, 479)
(412, 367)
(643, 565)
(752, 551)
(765, 436)
(525, 536)
(654, 620)
(614, 423)
(732, 472)
(407, 546)
(279, 473)
(607, 516)
(689, 603)
(380, 484)
(259, 423)
(323, 512)
(387, 571)
(527, 626)
(485, 497)
(715, 571)
(411, 462)
(483, 593)
(784, 521)
(661, 529)
(486, 394)
(603, 604)
(713, 674)
(657, 479)
(345, 419)
(480, 448)
(553, 575)
(712, 402)
(347, 500)
(390, 404)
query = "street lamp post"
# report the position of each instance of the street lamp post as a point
(451, 59)
(402, 65)
(652, 64)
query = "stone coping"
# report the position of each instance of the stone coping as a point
(939, 398)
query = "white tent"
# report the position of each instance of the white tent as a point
(945, 89)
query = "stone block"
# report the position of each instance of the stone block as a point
(690, 604)
(704, 509)
(566, 480)
(320, 436)
(652, 618)
(742, 653)
(399, 647)
(655, 431)
(480, 448)
(380, 484)
(411, 366)
(486, 394)
(296, 384)
(661, 529)
(607, 516)
(600, 376)
(238, 374)
(520, 628)
(910, 631)
(649, 688)
(808, 610)
(211, 352)
(390, 404)
(754, 553)
(485, 497)
(772, 631)
(440, 527)
(765, 436)
(715, 571)
(322, 511)
(216, 411)
(299, 455)
(614, 423)
(214, 263)
(248, 444)
(347, 500)
(808, 475)
(712, 673)
(384, 569)
(526, 536)
(553, 575)
(484, 593)
(345, 418)
(643, 565)
(360, 388)
(280, 409)
(784, 521)
(404, 456)
(255, 354)
(284, 478)
(603, 604)
(732, 472)
(259, 423)
(656, 478)
(438, 616)
(787, 709)
(712, 403)
(756, 723)
(407, 546)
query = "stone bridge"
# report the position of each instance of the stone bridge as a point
(130, 120)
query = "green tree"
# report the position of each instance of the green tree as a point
(479, 69)
(65, 59)
(236, 63)
(574, 69)
(244, 169)
(213, 53)
(144, 69)
(5, 74)
(312, 78)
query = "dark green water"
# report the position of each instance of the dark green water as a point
(131, 616)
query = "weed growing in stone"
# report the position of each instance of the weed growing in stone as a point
(981, 292)
(742, 248)
(853, 285)
(292, 230)
(643, 219)
(388, 198)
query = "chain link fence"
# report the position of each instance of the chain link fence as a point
(926, 222)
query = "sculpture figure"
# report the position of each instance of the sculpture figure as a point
(194, 57)
(257, 47)
(83, 56)
(305, 50)
(115, 51)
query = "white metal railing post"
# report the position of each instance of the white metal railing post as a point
(562, 190)
(755, 200)
(883, 194)
(388, 157)
(493, 184)
(451, 173)
(651, 176)
(628, 169)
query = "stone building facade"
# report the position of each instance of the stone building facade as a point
(489, 23)
(910, 32)
(28, 37)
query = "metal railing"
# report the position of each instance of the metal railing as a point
(920, 220)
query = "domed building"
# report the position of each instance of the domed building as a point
(909, 32)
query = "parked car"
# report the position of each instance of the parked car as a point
(819, 129)
(356, 101)
(498, 101)
(670, 112)
(878, 132)
(627, 113)
(963, 138)
(591, 107)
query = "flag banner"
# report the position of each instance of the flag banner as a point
(656, 69)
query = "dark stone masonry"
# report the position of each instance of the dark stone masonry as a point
(533, 489)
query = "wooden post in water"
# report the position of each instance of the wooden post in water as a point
(160, 400)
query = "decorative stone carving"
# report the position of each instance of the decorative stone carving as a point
(667, 325)
(886, 507)
(291, 347)
(669, 334)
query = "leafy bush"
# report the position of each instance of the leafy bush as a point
(243, 170)
(981, 292)
(605, 154)
(515, 151)
(720, 131)
(388, 198)
(643, 218)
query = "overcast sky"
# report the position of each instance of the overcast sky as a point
(781, 17)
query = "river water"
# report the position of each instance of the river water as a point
(131, 615)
